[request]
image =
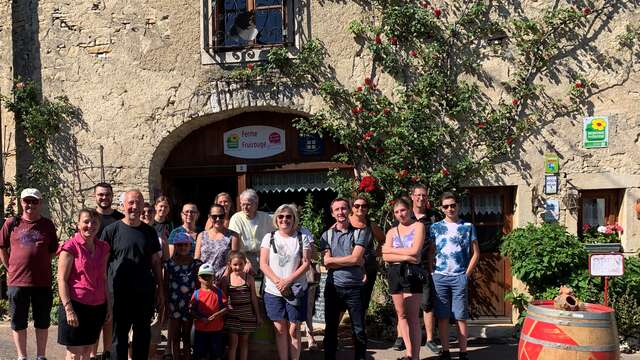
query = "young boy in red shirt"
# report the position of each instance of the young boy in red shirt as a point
(208, 305)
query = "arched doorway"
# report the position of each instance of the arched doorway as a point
(258, 149)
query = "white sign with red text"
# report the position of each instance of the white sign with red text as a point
(254, 142)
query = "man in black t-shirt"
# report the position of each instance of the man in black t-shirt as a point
(103, 193)
(134, 278)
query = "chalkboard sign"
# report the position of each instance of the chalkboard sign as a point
(318, 317)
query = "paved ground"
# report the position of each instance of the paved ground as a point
(480, 348)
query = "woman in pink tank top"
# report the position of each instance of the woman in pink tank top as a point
(82, 284)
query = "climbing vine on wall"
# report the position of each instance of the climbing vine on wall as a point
(447, 119)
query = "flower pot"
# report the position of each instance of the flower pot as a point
(602, 248)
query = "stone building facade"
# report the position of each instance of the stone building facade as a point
(141, 73)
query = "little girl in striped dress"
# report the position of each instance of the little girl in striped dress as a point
(244, 315)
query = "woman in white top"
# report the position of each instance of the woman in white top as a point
(284, 260)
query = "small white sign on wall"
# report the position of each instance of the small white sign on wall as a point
(254, 142)
(606, 264)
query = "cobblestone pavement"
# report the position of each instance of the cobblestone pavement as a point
(493, 349)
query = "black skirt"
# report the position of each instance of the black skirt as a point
(90, 321)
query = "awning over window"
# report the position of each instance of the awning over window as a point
(290, 182)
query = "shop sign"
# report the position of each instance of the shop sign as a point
(595, 132)
(254, 142)
(310, 145)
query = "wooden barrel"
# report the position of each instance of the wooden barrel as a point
(548, 333)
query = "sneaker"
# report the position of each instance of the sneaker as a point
(399, 344)
(431, 345)
(445, 355)
(463, 356)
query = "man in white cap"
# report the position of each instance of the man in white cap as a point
(27, 243)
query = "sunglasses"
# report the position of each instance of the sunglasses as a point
(358, 206)
(189, 212)
(288, 217)
(31, 201)
(453, 206)
(216, 216)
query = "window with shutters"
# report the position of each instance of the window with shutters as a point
(237, 31)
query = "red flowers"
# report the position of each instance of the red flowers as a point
(445, 171)
(367, 184)
(515, 102)
(413, 53)
(586, 227)
(386, 111)
(357, 110)
(368, 135)
(586, 11)
(579, 84)
(509, 141)
(437, 12)
(481, 125)
(359, 88)
(368, 81)
(393, 40)
(424, 4)
(250, 67)
(378, 39)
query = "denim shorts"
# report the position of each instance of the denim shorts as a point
(279, 309)
(452, 296)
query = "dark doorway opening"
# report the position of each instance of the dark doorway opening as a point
(269, 201)
(200, 191)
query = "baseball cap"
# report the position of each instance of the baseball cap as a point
(205, 269)
(182, 238)
(31, 192)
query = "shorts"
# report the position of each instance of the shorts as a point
(279, 309)
(207, 345)
(41, 301)
(399, 283)
(90, 321)
(428, 295)
(452, 296)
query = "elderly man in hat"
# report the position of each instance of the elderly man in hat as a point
(27, 243)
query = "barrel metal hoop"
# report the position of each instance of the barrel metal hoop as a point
(569, 314)
(569, 322)
(581, 348)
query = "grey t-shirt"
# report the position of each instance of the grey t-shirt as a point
(342, 243)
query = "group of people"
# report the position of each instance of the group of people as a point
(130, 274)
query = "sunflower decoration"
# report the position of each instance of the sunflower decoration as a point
(598, 124)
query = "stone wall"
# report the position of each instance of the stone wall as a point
(134, 69)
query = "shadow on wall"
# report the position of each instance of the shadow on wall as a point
(26, 63)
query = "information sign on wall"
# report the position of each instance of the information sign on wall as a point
(595, 133)
(551, 163)
(254, 142)
(606, 264)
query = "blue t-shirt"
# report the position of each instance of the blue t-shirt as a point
(342, 244)
(453, 246)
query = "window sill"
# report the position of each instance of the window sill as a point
(237, 56)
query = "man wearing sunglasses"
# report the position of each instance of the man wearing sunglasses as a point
(27, 243)
(456, 256)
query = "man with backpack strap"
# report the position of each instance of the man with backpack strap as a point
(343, 249)
(27, 243)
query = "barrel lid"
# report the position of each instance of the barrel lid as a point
(592, 311)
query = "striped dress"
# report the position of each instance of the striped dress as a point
(240, 319)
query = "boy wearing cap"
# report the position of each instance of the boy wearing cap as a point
(27, 242)
(208, 305)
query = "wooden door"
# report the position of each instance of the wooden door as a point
(490, 209)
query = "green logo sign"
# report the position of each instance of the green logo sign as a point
(596, 132)
(233, 141)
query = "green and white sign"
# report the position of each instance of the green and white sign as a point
(595, 132)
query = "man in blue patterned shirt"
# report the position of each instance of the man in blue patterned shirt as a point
(456, 256)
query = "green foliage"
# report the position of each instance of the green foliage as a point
(4, 308)
(312, 219)
(630, 281)
(520, 301)
(40, 120)
(544, 256)
(381, 313)
(627, 308)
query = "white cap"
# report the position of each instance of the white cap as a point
(205, 269)
(31, 192)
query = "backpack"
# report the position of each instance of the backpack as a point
(273, 244)
(370, 257)
(220, 302)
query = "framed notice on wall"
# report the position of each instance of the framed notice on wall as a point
(595, 132)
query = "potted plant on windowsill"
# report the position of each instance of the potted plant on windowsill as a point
(602, 239)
